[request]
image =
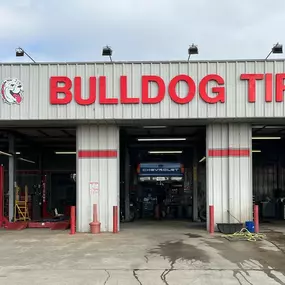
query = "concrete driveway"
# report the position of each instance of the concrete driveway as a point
(144, 253)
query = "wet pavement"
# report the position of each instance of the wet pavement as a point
(143, 253)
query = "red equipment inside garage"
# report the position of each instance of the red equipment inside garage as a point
(43, 183)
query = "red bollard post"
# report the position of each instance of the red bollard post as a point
(72, 220)
(256, 218)
(95, 214)
(115, 219)
(95, 225)
(211, 217)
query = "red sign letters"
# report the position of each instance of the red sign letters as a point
(268, 77)
(62, 95)
(63, 90)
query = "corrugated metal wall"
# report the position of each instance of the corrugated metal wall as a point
(102, 170)
(36, 106)
(229, 177)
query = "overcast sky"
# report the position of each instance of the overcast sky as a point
(76, 30)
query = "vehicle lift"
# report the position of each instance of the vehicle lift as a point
(22, 218)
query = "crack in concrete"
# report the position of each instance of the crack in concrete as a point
(162, 276)
(136, 276)
(268, 272)
(274, 277)
(108, 277)
(236, 272)
(165, 273)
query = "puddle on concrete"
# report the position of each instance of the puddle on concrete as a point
(175, 250)
(193, 235)
(249, 255)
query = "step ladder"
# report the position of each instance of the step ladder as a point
(21, 206)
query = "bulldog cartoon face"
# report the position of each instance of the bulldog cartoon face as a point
(12, 91)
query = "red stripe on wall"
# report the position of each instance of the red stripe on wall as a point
(229, 152)
(97, 153)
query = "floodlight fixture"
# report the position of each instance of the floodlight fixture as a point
(107, 51)
(193, 49)
(21, 52)
(277, 49)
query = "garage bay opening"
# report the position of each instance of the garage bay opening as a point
(39, 167)
(163, 175)
(268, 157)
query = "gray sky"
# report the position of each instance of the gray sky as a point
(76, 30)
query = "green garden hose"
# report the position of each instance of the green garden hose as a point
(244, 234)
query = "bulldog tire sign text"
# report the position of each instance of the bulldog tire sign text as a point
(12, 91)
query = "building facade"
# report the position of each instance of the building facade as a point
(226, 97)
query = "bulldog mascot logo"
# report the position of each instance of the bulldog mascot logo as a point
(12, 91)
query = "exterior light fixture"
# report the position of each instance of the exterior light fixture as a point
(193, 49)
(277, 48)
(107, 51)
(21, 52)
(256, 151)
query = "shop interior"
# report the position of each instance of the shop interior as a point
(162, 168)
(157, 181)
(45, 173)
(268, 160)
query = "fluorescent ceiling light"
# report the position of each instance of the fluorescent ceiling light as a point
(26, 160)
(256, 150)
(161, 139)
(202, 159)
(154, 127)
(5, 153)
(165, 151)
(18, 152)
(268, 127)
(266, 138)
(65, 152)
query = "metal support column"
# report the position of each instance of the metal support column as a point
(12, 176)
(195, 185)
(127, 185)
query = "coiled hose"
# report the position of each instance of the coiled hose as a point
(244, 234)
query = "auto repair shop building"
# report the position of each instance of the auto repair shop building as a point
(227, 97)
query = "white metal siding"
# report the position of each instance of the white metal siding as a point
(105, 171)
(229, 178)
(36, 104)
(240, 174)
(217, 173)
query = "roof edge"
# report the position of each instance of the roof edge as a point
(142, 62)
